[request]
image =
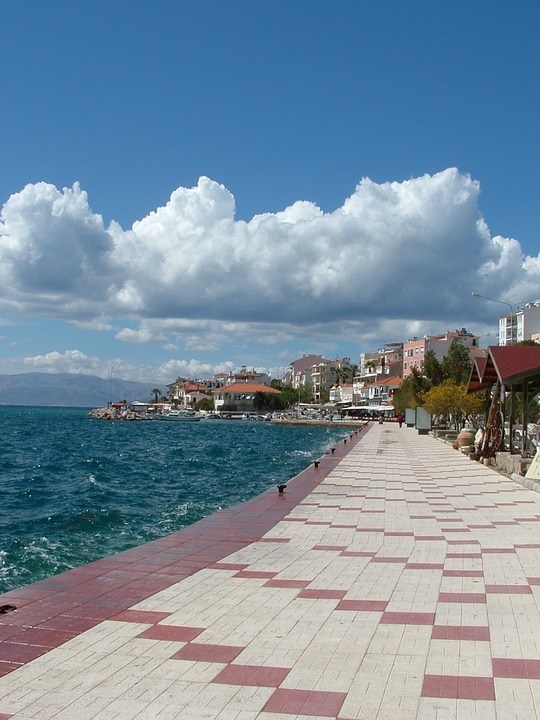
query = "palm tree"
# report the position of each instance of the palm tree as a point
(156, 392)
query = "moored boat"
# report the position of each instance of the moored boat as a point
(179, 416)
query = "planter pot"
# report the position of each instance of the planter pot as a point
(465, 437)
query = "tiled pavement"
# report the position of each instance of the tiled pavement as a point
(397, 580)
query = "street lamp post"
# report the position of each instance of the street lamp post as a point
(501, 302)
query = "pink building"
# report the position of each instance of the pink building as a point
(415, 349)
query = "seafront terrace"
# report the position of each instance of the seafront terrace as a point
(397, 580)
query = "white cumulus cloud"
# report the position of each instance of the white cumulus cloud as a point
(398, 251)
(71, 361)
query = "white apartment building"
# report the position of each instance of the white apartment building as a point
(341, 394)
(520, 325)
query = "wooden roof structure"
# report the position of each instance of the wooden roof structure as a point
(511, 365)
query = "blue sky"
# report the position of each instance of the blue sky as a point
(283, 108)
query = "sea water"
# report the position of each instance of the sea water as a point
(74, 489)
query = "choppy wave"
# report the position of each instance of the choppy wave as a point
(74, 489)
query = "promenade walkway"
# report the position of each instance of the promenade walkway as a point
(396, 581)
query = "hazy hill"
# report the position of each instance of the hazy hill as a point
(70, 390)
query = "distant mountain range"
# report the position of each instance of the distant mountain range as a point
(69, 390)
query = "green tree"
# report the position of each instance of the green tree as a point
(289, 395)
(324, 396)
(205, 404)
(410, 394)
(432, 368)
(275, 402)
(370, 365)
(457, 363)
(156, 392)
(259, 400)
(267, 401)
(339, 374)
(306, 392)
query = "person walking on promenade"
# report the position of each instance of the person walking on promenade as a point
(400, 420)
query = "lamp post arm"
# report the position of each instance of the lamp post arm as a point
(501, 302)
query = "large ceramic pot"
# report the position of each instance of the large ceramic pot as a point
(465, 437)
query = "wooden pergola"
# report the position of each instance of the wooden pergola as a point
(506, 367)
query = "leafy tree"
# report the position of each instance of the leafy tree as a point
(457, 363)
(410, 394)
(267, 401)
(324, 396)
(306, 392)
(473, 404)
(339, 374)
(205, 404)
(451, 402)
(370, 365)
(432, 368)
(276, 402)
(276, 384)
(259, 400)
(289, 395)
(444, 400)
(527, 343)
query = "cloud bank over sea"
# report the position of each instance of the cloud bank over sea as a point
(394, 256)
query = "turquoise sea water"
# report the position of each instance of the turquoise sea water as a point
(74, 489)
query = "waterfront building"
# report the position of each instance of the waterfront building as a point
(240, 396)
(325, 374)
(520, 325)
(187, 393)
(415, 349)
(300, 371)
(385, 361)
(247, 376)
(376, 368)
(318, 372)
(341, 394)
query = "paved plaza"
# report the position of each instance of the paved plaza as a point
(398, 580)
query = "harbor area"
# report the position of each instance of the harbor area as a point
(393, 579)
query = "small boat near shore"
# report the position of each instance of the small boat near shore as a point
(179, 416)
